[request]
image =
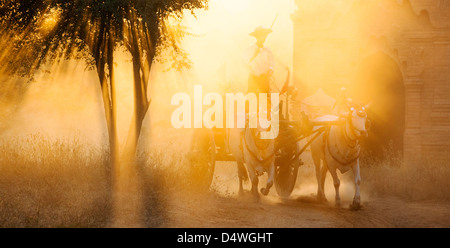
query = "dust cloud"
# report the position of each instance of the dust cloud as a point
(220, 37)
(65, 102)
(57, 122)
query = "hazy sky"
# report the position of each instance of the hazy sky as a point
(67, 102)
(218, 46)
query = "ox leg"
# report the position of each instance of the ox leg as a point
(321, 173)
(323, 176)
(242, 174)
(337, 183)
(255, 180)
(265, 191)
(357, 180)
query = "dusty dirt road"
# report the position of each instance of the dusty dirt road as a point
(222, 207)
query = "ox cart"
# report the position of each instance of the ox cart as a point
(208, 146)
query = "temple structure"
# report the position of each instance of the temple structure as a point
(392, 53)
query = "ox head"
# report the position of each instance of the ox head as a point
(359, 123)
(259, 132)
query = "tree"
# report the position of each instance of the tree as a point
(33, 32)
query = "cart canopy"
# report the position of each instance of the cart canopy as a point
(318, 104)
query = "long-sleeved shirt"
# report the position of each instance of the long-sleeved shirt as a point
(259, 60)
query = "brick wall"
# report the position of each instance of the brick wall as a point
(415, 33)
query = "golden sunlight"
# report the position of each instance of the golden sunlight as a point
(234, 6)
(50, 19)
(105, 109)
(221, 37)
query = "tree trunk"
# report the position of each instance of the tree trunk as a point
(111, 125)
(102, 50)
(141, 71)
(141, 106)
(114, 144)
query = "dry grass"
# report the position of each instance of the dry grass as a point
(166, 159)
(66, 183)
(419, 181)
(46, 183)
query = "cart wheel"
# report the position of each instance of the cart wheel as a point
(285, 178)
(286, 170)
(202, 158)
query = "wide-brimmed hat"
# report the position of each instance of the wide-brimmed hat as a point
(261, 32)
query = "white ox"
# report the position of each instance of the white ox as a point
(257, 154)
(339, 148)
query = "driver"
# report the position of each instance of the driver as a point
(260, 62)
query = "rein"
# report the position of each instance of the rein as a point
(318, 132)
(347, 139)
(254, 155)
(350, 142)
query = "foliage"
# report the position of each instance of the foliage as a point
(34, 31)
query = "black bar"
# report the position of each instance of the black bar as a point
(222, 237)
